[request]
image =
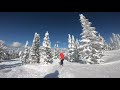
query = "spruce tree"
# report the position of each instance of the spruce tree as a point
(34, 56)
(26, 53)
(90, 42)
(46, 49)
(56, 51)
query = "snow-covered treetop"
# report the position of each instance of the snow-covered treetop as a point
(73, 39)
(2, 45)
(47, 34)
(77, 43)
(36, 37)
(46, 41)
(89, 32)
(56, 45)
(71, 42)
(81, 16)
(84, 21)
(26, 45)
(69, 38)
(115, 41)
(36, 40)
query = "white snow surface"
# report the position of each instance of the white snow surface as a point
(109, 69)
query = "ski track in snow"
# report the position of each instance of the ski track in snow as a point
(109, 69)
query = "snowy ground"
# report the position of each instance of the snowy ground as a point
(110, 69)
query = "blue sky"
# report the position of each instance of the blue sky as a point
(21, 26)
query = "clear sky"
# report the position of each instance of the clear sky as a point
(21, 26)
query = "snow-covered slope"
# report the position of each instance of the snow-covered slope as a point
(111, 56)
(110, 69)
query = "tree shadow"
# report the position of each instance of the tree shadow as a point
(8, 60)
(9, 66)
(52, 75)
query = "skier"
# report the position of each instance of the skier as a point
(61, 58)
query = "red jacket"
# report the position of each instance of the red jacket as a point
(61, 56)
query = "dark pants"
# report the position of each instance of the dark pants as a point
(61, 63)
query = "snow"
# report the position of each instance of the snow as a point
(91, 42)
(85, 40)
(111, 56)
(109, 69)
(115, 41)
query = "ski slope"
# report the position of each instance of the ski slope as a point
(109, 69)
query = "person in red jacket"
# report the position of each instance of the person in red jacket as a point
(61, 58)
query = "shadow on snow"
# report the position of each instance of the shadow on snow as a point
(52, 75)
(10, 66)
(7, 60)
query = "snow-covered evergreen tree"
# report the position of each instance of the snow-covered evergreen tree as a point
(107, 46)
(77, 44)
(73, 47)
(46, 49)
(46, 41)
(56, 51)
(21, 55)
(90, 42)
(34, 56)
(2, 49)
(73, 42)
(26, 53)
(70, 51)
(101, 43)
(69, 41)
(76, 51)
(115, 41)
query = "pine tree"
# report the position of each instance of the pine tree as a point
(56, 51)
(71, 49)
(76, 51)
(2, 49)
(115, 41)
(118, 41)
(73, 42)
(69, 41)
(46, 41)
(46, 49)
(34, 56)
(77, 44)
(21, 55)
(101, 43)
(26, 53)
(90, 42)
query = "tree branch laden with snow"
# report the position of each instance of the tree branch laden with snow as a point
(34, 56)
(91, 43)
